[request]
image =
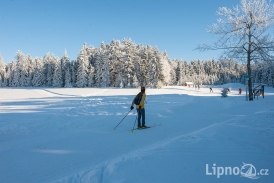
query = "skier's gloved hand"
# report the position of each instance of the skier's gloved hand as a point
(140, 106)
(131, 107)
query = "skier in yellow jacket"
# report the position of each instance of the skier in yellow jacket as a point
(140, 107)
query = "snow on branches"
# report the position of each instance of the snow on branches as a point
(123, 65)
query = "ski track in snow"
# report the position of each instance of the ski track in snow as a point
(96, 174)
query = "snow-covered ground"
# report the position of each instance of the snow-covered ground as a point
(66, 135)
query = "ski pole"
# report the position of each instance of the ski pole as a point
(134, 125)
(121, 120)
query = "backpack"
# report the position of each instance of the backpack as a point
(138, 98)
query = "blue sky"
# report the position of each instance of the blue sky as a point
(37, 27)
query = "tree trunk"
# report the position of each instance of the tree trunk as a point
(249, 81)
(248, 61)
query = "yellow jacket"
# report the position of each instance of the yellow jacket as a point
(142, 102)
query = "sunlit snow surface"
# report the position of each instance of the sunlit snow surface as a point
(66, 135)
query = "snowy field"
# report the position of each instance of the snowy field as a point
(66, 135)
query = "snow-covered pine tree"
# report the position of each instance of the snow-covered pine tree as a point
(119, 77)
(49, 69)
(1, 81)
(137, 78)
(143, 65)
(105, 67)
(19, 72)
(102, 67)
(2, 71)
(183, 73)
(115, 55)
(82, 70)
(129, 52)
(201, 73)
(209, 67)
(125, 65)
(156, 75)
(73, 71)
(57, 73)
(135, 81)
(91, 52)
(191, 72)
(149, 59)
(105, 79)
(98, 63)
(98, 70)
(65, 69)
(81, 81)
(175, 64)
(226, 70)
(68, 79)
(113, 61)
(180, 73)
(91, 75)
(172, 74)
(169, 75)
(194, 77)
(38, 73)
(153, 74)
(14, 75)
(216, 72)
(7, 75)
(28, 71)
(137, 66)
(207, 76)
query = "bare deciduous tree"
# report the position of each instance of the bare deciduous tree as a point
(244, 33)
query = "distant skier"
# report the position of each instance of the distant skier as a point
(240, 91)
(224, 92)
(211, 89)
(139, 101)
